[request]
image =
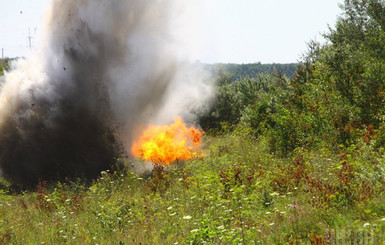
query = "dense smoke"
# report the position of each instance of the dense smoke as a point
(104, 70)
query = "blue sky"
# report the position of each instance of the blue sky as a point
(238, 31)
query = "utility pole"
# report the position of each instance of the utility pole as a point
(29, 39)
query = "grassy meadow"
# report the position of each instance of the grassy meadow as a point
(238, 193)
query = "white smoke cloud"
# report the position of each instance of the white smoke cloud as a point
(105, 69)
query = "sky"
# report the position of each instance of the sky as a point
(230, 31)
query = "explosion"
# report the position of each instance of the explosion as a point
(164, 145)
(102, 69)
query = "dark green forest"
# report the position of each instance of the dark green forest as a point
(292, 154)
(238, 71)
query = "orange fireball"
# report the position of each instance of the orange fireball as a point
(164, 145)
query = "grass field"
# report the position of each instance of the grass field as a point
(238, 193)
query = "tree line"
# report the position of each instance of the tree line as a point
(239, 71)
(335, 96)
(3, 66)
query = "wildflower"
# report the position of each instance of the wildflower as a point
(294, 206)
(366, 224)
(271, 224)
(268, 213)
(187, 217)
(169, 208)
(290, 217)
(195, 230)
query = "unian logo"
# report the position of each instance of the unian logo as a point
(364, 237)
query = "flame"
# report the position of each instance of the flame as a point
(163, 145)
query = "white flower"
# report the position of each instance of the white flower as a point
(271, 224)
(195, 230)
(366, 224)
(187, 217)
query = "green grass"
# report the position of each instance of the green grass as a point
(238, 193)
